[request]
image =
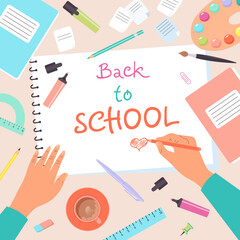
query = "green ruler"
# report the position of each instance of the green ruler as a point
(18, 126)
(138, 226)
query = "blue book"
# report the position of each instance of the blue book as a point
(23, 25)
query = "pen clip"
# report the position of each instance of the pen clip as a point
(137, 199)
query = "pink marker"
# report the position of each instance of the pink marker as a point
(189, 206)
(57, 88)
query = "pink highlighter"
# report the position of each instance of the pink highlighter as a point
(57, 88)
(189, 206)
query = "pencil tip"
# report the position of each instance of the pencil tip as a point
(19, 149)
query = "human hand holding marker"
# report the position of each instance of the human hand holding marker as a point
(188, 162)
(39, 185)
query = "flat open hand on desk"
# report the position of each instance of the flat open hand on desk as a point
(39, 185)
(188, 162)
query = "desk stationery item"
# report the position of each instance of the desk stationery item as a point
(167, 30)
(139, 225)
(81, 16)
(116, 44)
(87, 209)
(64, 39)
(192, 207)
(205, 57)
(161, 183)
(18, 125)
(185, 78)
(211, 28)
(42, 226)
(169, 7)
(23, 25)
(187, 229)
(9, 163)
(136, 143)
(121, 20)
(217, 105)
(137, 11)
(125, 185)
(52, 67)
(88, 115)
(56, 90)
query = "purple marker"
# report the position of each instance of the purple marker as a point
(189, 206)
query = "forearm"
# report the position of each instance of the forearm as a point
(11, 223)
(225, 198)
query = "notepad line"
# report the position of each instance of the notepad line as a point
(225, 106)
(166, 27)
(22, 17)
(162, 24)
(228, 117)
(20, 20)
(169, 31)
(228, 113)
(19, 24)
(169, 3)
(13, 30)
(63, 35)
(64, 38)
(122, 19)
(137, 8)
(167, 6)
(15, 27)
(123, 15)
(221, 102)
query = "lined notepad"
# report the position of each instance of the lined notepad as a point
(225, 110)
(18, 23)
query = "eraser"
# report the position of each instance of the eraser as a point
(40, 227)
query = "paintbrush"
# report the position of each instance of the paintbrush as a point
(205, 57)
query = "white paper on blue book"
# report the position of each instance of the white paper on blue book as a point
(87, 100)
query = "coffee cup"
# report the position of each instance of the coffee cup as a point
(87, 209)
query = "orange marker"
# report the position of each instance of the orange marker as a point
(58, 87)
(176, 145)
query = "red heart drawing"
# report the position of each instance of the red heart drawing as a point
(136, 143)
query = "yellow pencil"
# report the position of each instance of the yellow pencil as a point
(9, 163)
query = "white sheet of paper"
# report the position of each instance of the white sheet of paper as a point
(64, 39)
(225, 110)
(137, 11)
(18, 23)
(121, 20)
(87, 94)
(169, 7)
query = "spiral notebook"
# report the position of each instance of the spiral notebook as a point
(111, 99)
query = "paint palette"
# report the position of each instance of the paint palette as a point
(211, 29)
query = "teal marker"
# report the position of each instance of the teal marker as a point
(81, 16)
(116, 44)
(238, 2)
(138, 226)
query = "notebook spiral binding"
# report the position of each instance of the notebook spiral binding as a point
(35, 105)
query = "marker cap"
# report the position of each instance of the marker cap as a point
(71, 8)
(161, 183)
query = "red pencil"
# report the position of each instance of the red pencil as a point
(176, 145)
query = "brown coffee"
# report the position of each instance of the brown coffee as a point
(87, 209)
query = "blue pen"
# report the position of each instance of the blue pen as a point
(126, 186)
